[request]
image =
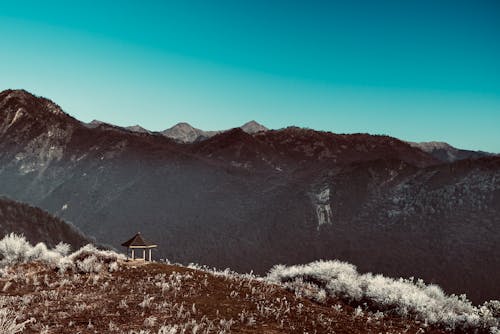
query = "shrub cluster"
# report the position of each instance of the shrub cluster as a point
(16, 249)
(321, 281)
(404, 297)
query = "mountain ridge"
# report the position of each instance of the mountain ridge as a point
(447, 153)
(37, 225)
(251, 127)
(225, 200)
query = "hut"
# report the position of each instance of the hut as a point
(137, 243)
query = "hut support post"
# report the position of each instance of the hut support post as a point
(150, 255)
(144, 254)
(133, 254)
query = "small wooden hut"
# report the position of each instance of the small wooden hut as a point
(137, 243)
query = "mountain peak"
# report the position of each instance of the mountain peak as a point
(94, 123)
(182, 125)
(432, 145)
(447, 153)
(137, 128)
(253, 127)
(183, 132)
(16, 93)
(22, 99)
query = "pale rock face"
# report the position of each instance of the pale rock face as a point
(17, 116)
(94, 124)
(185, 133)
(43, 149)
(23, 96)
(432, 145)
(322, 207)
(137, 128)
(447, 153)
(253, 127)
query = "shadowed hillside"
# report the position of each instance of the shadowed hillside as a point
(37, 225)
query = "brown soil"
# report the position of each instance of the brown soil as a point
(115, 302)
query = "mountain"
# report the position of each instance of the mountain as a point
(253, 127)
(185, 133)
(95, 123)
(447, 153)
(251, 200)
(137, 128)
(37, 225)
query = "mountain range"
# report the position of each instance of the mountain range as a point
(181, 132)
(186, 133)
(250, 197)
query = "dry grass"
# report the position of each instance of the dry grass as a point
(161, 298)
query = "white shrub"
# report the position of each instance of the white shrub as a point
(88, 259)
(41, 253)
(150, 321)
(8, 323)
(168, 329)
(89, 264)
(16, 249)
(64, 264)
(13, 249)
(62, 248)
(113, 266)
(403, 297)
(103, 255)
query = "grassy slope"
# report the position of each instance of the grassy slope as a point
(144, 297)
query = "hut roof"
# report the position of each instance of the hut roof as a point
(138, 241)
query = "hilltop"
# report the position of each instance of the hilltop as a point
(92, 291)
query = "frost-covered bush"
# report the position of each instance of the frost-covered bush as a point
(103, 256)
(13, 249)
(40, 252)
(9, 324)
(62, 248)
(16, 249)
(89, 264)
(404, 297)
(88, 259)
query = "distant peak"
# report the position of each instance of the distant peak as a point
(431, 145)
(253, 127)
(182, 125)
(24, 99)
(94, 124)
(137, 128)
(183, 132)
(16, 92)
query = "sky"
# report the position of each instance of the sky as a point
(418, 70)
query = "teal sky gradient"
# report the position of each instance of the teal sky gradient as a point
(417, 70)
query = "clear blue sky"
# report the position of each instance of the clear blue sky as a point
(418, 70)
